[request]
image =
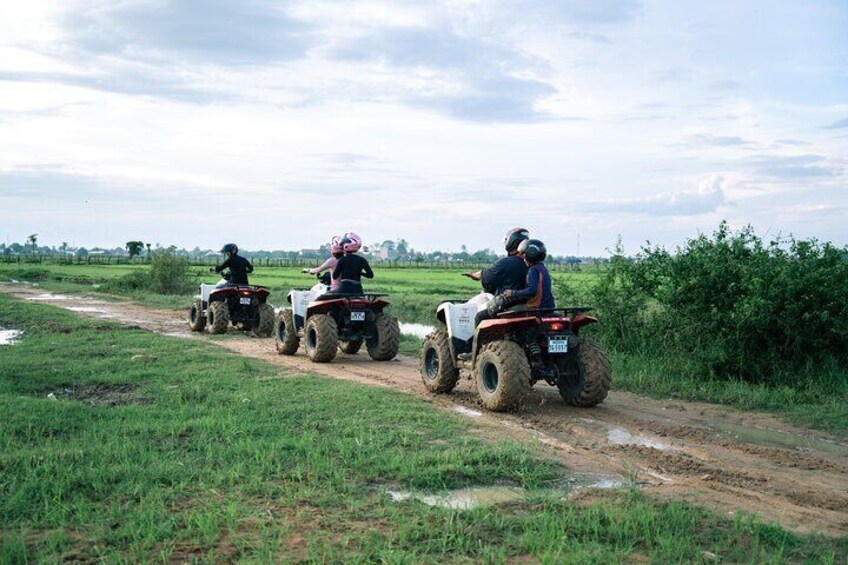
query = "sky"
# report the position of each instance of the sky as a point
(445, 122)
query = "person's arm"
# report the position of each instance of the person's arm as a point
(366, 270)
(248, 266)
(489, 277)
(337, 272)
(322, 267)
(529, 291)
(223, 265)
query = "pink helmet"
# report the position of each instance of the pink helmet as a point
(336, 244)
(351, 242)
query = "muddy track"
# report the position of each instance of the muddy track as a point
(703, 453)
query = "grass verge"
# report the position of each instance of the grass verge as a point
(157, 448)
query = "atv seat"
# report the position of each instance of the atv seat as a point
(347, 288)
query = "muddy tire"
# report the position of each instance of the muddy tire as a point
(590, 383)
(265, 324)
(436, 363)
(350, 347)
(196, 319)
(217, 317)
(285, 333)
(502, 374)
(386, 341)
(321, 338)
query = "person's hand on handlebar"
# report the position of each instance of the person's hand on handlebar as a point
(474, 275)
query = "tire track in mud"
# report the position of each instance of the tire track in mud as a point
(706, 454)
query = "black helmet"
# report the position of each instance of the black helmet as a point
(230, 248)
(513, 237)
(533, 250)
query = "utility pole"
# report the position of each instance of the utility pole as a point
(578, 244)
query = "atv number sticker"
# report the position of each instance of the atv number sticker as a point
(357, 316)
(557, 345)
(244, 300)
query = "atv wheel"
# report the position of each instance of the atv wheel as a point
(586, 382)
(196, 319)
(437, 368)
(286, 333)
(264, 326)
(322, 338)
(502, 374)
(350, 347)
(217, 317)
(386, 341)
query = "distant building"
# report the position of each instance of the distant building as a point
(384, 253)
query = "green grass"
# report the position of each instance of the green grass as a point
(194, 453)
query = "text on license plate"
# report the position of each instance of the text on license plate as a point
(557, 345)
(357, 316)
(244, 300)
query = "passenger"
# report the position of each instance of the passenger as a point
(351, 267)
(537, 294)
(330, 264)
(239, 266)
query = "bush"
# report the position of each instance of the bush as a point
(169, 274)
(732, 305)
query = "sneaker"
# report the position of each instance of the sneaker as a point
(464, 357)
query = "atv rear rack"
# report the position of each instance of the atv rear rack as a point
(540, 311)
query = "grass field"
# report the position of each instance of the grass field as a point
(162, 449)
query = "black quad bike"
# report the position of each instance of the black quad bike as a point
(510, 353)
(328, 322)
(244, 306)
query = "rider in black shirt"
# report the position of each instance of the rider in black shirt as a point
(351, 267)
(238, 265)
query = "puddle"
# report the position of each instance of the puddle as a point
(91, 310)
(48, 296)
(777, 438)
(462, 499)
(618, 436)
(467, 411)
(9, 337)
(418, 330)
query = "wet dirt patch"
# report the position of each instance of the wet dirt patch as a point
(9, 337)
(100, 394)
(462, 499)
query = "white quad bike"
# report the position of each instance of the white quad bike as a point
(498, 354)
(219, 305)
(329, 322)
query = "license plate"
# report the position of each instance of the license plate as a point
(556, 345)
(357, 316)
(244, 300)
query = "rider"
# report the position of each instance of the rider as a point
(330, 264)
(508, 273)
(537, 293)
(238, 265)
(351, 267)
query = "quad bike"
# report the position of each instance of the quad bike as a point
(343, 320)
(500, 354)
(245, 306)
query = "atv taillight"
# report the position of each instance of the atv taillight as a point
(244, 292)
(557, 326)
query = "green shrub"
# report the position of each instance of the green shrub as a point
(730, 304)
(170, 274)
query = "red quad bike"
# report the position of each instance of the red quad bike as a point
(245, 306)
(498, 355)
(329, 322)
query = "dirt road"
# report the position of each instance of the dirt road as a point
(703, 453)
